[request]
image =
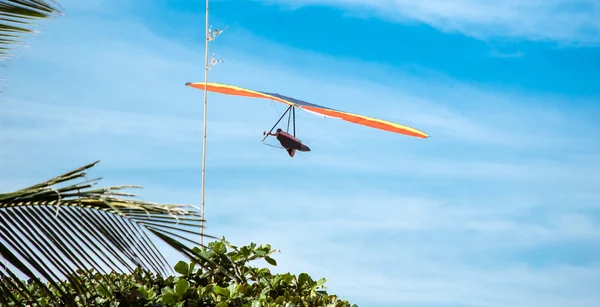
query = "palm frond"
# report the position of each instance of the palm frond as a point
(18, 20)
(54, 231)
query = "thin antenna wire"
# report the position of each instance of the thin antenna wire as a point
(204, 141)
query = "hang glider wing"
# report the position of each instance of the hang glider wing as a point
(313, 108)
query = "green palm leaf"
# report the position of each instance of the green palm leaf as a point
(18, 19)
(54, 231)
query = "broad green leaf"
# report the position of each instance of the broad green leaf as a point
(191, 268)
(232, 289)
(245, 251)
(142, 290)
(182, 268)
(169, 298)
(265, 292)
(271, 261)
(181, 287)
(219, 247)
(151, 294)
(166, 290)
(207, 254)
(221, 291)
(302, 279)
(276, 281)
(202, 292)
(321, 282)
(222, 304)
(244, 289)
(288, 278)
(263, 271)
(104, 291)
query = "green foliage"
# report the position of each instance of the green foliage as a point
(196, 284)
(57, 227)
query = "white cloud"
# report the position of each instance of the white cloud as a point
(570, 22)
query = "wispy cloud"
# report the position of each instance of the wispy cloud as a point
(434, 252)
(498, 54)
(570, 22)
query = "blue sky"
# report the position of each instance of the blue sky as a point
(499, 207)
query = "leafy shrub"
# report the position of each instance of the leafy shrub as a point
(220, 277)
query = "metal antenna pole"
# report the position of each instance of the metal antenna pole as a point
(205, 107)
(210, 35)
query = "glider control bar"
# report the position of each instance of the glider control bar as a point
(266, 135)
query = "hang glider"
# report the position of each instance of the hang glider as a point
(313, 108)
